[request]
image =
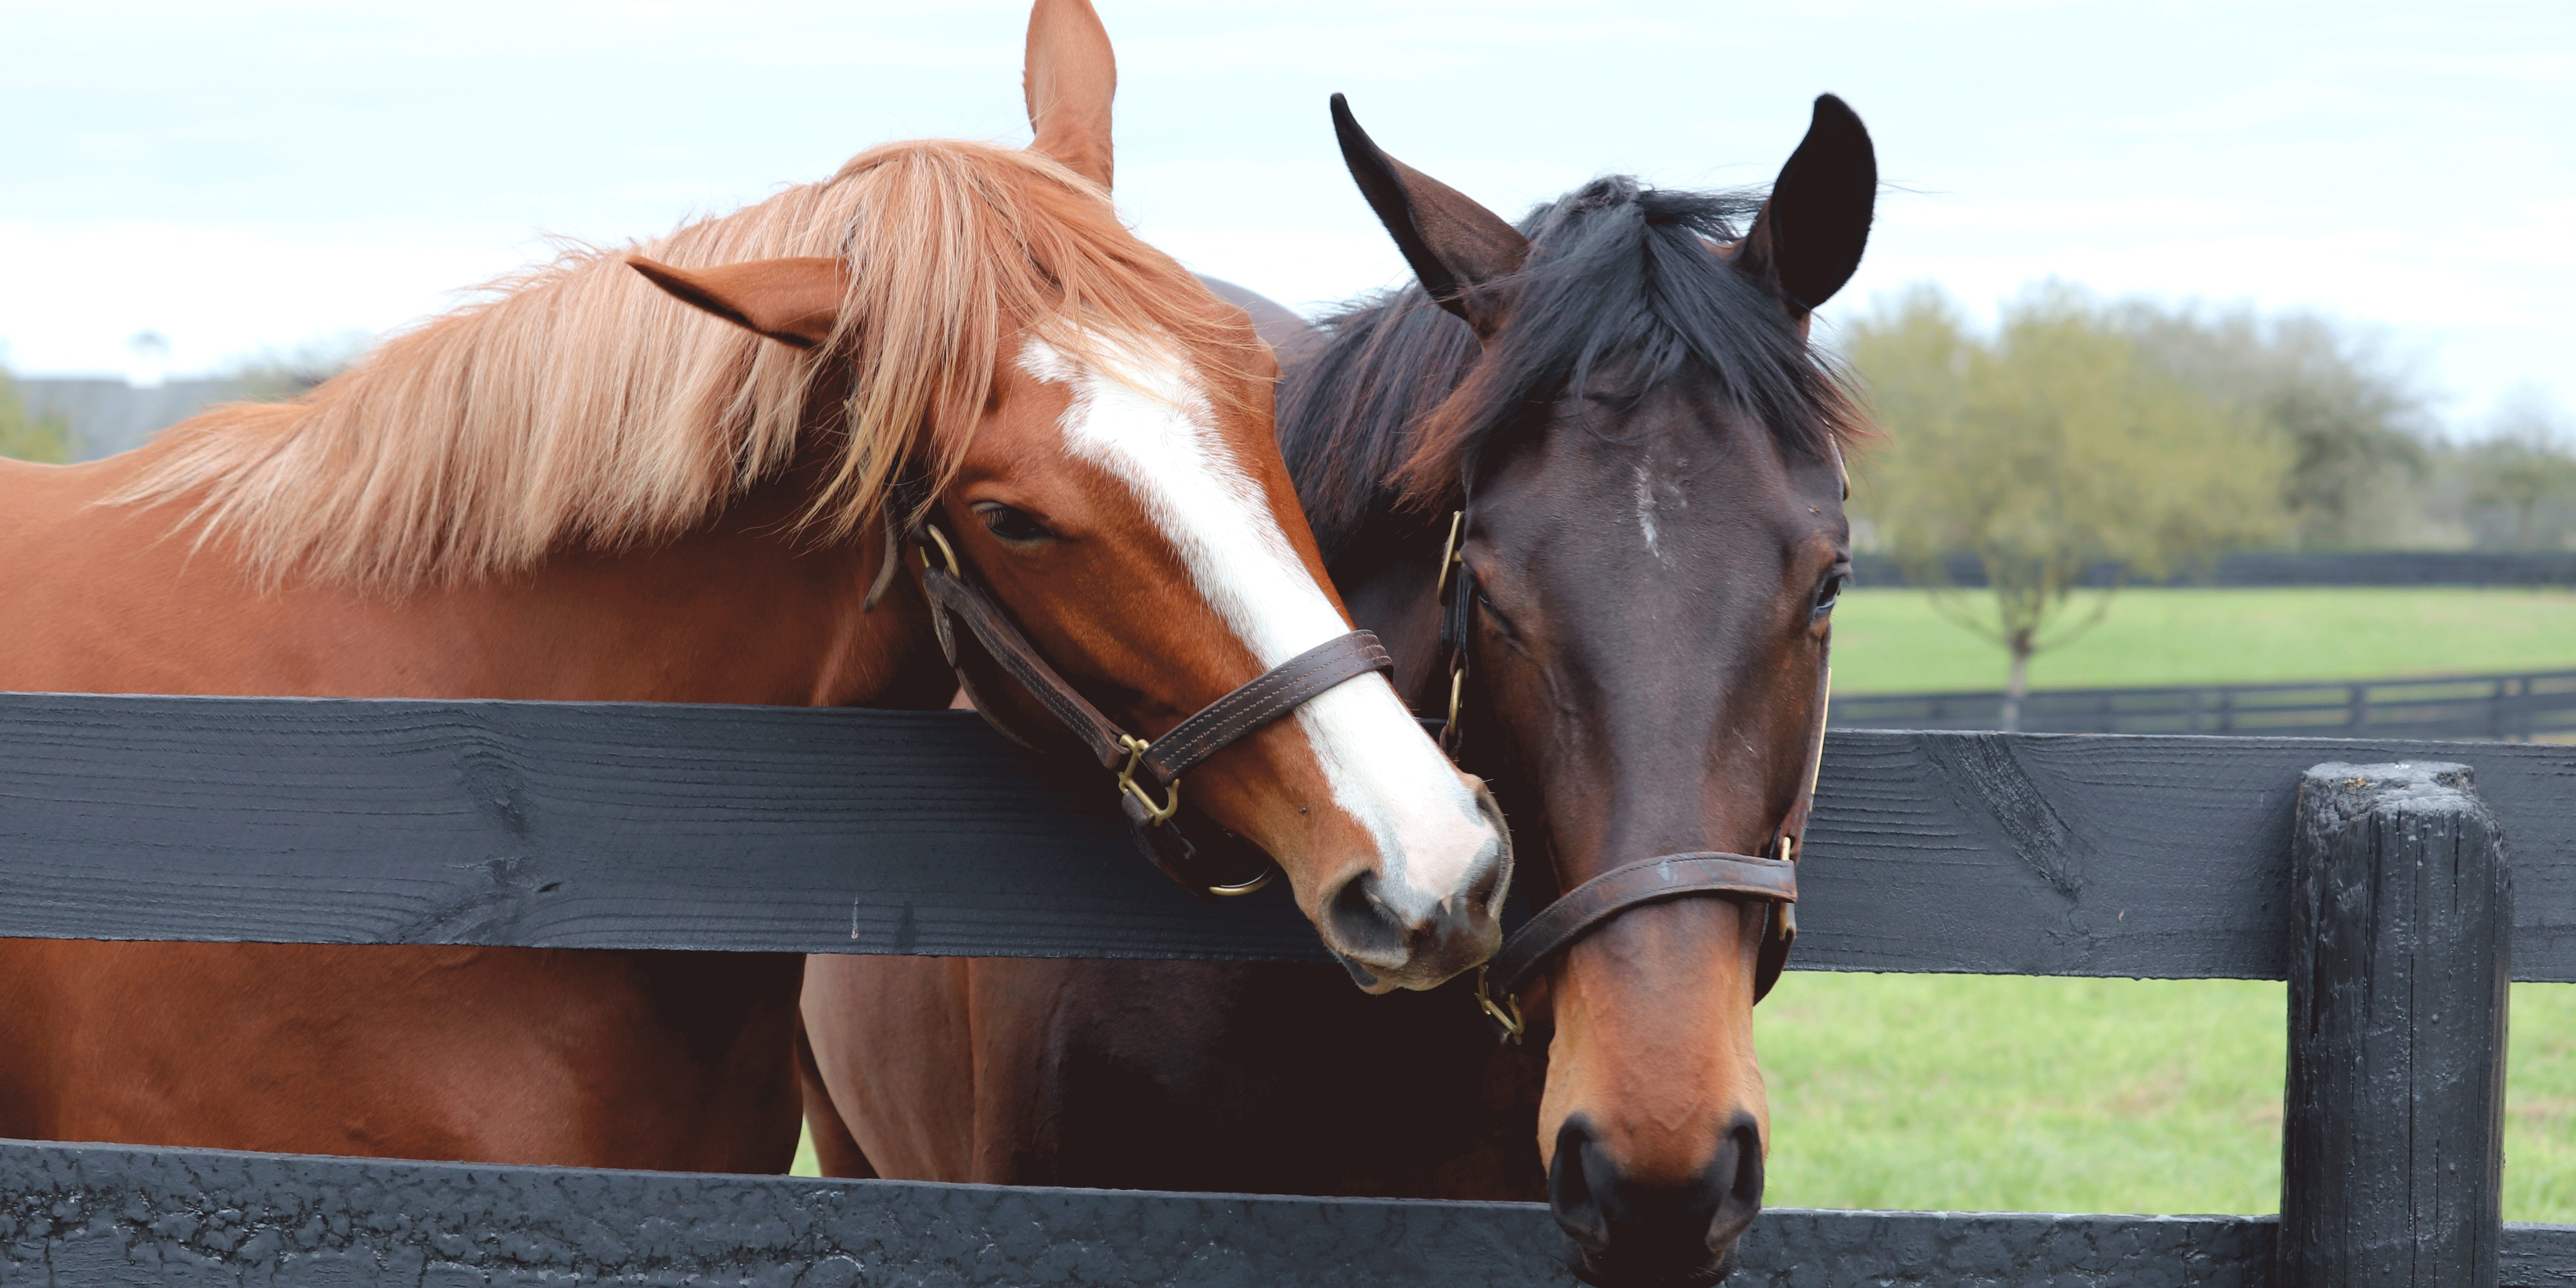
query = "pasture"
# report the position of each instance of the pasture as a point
(2017, 1094)
(1892, 641)
(2086, 1095)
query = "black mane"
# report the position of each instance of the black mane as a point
(1617, 273)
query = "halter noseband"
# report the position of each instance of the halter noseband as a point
(1772, 881)
(1144, 768)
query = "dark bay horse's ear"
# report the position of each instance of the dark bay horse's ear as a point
(793, 301)
(1069, 78)
(1810, 234)
(1455, 246)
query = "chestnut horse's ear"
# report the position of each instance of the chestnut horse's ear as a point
(1456, 247)
(793, 301)
(1810, 234)
(1069, 78)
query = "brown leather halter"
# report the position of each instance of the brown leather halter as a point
(1159, 763)
(1578, 912)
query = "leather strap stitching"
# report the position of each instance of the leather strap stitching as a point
(1673, 876)
(1283, 689)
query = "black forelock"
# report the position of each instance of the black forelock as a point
(1618, 274)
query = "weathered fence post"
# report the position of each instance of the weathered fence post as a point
(2392, 1137)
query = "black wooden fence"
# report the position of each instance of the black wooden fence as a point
(568, 825)
(2517, 707)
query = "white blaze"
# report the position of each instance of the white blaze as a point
(1646, 508)
(1149, 427)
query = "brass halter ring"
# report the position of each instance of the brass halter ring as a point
(1230, 891)
(1507, 1013)
(1457, 686)
(1450, 554)
(1155, 813)
(945, 550)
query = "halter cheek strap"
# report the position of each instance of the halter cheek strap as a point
(1144, 768)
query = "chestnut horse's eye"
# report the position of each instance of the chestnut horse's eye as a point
(1013, 525)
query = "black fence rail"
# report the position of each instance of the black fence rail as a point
(2519, 707)
(731, 828)
(2291, 568)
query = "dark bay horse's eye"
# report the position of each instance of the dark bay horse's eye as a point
(1830, 592)
(1502, 622)
(1011, 524)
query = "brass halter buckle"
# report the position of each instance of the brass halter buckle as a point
(1506, 1014)
(1157, 813)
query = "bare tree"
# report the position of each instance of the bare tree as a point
(2047, 451)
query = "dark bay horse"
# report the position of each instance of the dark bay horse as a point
(1621, 394)
(587, 489)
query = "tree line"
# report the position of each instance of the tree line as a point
(2080, 431)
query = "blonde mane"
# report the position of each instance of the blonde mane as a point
(579, 404)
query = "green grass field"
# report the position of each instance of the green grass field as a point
(2059, 1095)
(1891, 641)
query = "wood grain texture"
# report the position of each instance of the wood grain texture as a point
(118, 1214)
(2153, 857)
(757, 828)
(2392, 1138)
(577, 826)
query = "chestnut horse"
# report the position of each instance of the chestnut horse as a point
(586, 489)
(1621, 393)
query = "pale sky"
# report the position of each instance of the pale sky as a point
(252, 176)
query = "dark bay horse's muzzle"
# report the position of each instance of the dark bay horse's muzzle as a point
(1621, 1233)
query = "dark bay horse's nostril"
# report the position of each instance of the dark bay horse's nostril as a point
(1627, 1234)
(1738, 1168)
(1573, 1187)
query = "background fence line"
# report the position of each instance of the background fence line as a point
(2292, 568)
(2517, 706)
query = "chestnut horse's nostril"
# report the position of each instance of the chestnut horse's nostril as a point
(1410, 937)
(1362, 925)
(1484, 886)
(1623, 1233)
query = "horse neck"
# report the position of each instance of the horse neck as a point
(744, 609)
(1391, 587)
(741, 609)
